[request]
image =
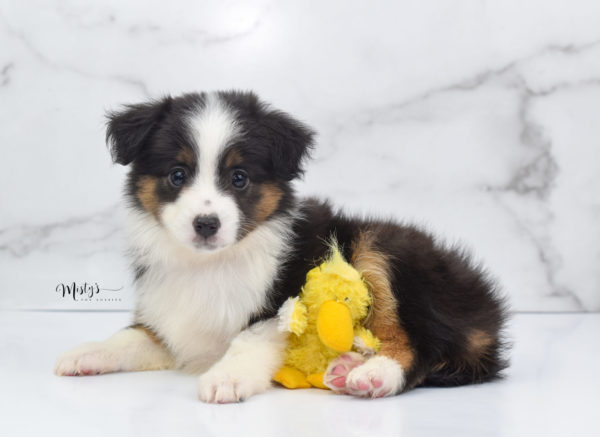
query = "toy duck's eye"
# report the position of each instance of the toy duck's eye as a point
(347, 299)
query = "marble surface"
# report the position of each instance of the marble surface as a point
(477, 119)
(551, 389)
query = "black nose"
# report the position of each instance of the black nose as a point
(207, 225)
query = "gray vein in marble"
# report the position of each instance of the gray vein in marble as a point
(536, 177)
(4, 74)
(381, 114)
(394, 112)
(200, 37)
(20, 241)
(42, 58)
(69, 14)
(543, 248)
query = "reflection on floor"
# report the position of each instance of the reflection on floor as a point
(552, 388)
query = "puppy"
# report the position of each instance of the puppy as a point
(219, 242)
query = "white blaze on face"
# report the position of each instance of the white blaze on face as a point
(212, 129)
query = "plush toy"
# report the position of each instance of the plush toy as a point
(324, 321)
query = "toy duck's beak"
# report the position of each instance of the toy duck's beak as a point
(334, 326)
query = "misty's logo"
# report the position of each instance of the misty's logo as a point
(87, 291)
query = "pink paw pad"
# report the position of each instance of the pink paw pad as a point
(380, 376)
(338, 369)
(365, 387)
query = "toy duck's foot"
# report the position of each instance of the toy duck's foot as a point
(338, 370)
(291, 378)
(377, 377)
(316, 380)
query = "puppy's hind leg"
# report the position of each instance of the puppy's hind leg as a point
(391, 370)
(134, 348)
(247, 367)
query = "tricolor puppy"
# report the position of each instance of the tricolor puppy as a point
(219, 241)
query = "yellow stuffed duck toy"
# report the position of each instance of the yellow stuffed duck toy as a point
(324, 321)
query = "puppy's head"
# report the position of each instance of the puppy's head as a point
(209, 168)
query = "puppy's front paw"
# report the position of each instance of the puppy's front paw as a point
(380, 376)
(224, 387)
(88, 359)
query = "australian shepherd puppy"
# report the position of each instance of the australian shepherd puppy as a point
(219, 242)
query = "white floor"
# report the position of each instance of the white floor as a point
(552, 388)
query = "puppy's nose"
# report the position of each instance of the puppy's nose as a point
(207, 225)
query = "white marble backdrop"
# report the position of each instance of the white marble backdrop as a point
(478, 119)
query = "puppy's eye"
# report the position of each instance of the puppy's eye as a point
(177, 177)
(239, 179)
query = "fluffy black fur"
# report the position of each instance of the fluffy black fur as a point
(441, 295)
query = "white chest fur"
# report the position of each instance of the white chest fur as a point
(197, 302)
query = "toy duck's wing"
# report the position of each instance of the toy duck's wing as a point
(292, 316)
(365, 342)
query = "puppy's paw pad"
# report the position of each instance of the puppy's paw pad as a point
(338, 369)
(90, 359)
(380, 376)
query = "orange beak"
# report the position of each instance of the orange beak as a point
(335, 327)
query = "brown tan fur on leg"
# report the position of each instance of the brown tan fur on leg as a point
(478, 348)
(383, 319)
(157, 356)
(149, 332)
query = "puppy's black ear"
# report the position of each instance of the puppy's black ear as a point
(292, 142)
(128, 130)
